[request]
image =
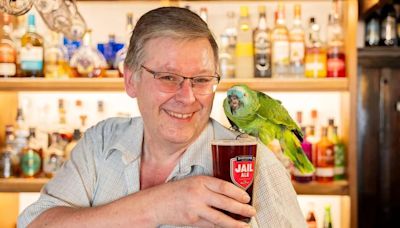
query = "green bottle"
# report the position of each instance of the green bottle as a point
(339, 151)
(327, 217)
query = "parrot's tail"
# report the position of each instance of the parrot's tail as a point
(292, 148)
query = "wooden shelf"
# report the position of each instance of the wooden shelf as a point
(117, 84)
(22, 184)
(313, 188)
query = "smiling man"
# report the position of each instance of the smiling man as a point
(155, 170)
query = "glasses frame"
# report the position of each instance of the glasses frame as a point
(216, 76)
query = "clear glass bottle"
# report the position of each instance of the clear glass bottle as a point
(56, 58)
(70, 146)
(32, 51)
(388, 26)
(325, 158)
(372, 29)
(204, 14)
(280, 45)
(226, 60)
(316, 55)
(297, 45)
(17, 35)
(9, 160)
(336, 59)
(8, 51)
(244, 62)
(88, 62)
(121, 54)
(262, 46)
(54, 157)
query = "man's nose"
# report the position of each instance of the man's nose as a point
(185, 94)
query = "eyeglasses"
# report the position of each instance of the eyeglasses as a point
(171, 83)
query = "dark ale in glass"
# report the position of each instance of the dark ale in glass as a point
(234, 161)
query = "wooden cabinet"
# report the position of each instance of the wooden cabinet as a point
(378, 137)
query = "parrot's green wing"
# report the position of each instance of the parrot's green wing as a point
(272, 110)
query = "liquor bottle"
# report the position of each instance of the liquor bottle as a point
(388, 26)
(280, 45)
(56, 58)
(32, 51)
(244, 62)
(307, 148)
(325, 158)
(109, 50)
(336, 60)
(31, 157)
(100, 114)
(16, 36)
(310, 219)
(397, 8)
(372, 29)
(70, 146)
(8, 51)
(340, 153)
(87, 61)
(262, 46)
(121, 54)
(226, 60)
(297, 45)
(231, 30)
(21, 132)
(316, 56)
(327, 217)
(9, 160)
(204, 14)
(54, 157)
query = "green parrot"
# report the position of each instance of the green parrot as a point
(259, 115)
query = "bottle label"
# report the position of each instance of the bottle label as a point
(244, 50)
(242, 171)
(297, 50)
(85, 66)
(31, 58)
(324, 172)
(8, 69)
(30, 163)
(336, 67)
(281, 52)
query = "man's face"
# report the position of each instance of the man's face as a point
(181, 116)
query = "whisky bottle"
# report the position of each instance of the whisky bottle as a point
(54, 157)
(9, 159)
(262, 46)
(121, 54)
(8, 52)
(70, 146)
(88, 62)
(32, 51)
(244, 62)
(297, 46)
(56, 58)
(325, 158)
(316, 56)
(310, 219)
(31, 157)
(280, 45)
(336, 60)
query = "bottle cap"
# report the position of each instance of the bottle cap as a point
(31, 20)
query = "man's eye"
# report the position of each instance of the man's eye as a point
(169, 78)
(202, 80)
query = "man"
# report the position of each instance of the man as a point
(155, 170)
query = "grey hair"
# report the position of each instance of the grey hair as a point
(171, 22)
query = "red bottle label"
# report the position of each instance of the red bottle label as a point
(242, 171)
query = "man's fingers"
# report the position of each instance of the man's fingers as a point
(228, 204)
(219, 219)
(228, 189)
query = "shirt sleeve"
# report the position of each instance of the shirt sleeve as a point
(274, 197)
(72, 186)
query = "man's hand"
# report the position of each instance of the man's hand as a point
(194, 201)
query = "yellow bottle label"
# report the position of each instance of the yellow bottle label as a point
(244, 49)
(315, 65)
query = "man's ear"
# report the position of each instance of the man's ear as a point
(129, 81)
